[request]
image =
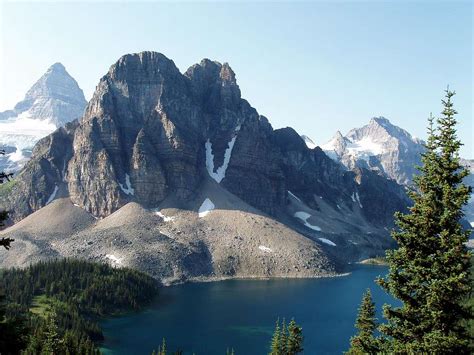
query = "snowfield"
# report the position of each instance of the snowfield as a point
(328, 242)
(265, 249)
(22, 133)
(292, 195)
(304, 217)
(206, 207)
(165, 218)
(219, 174)
(127, 189)
(53, 195)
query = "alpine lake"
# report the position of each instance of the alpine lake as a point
(209, 318)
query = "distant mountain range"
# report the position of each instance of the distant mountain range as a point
(52, 101)
(178, 175)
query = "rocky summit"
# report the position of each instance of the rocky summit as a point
(54, 100)
(178, 175)
(389, 151)
(379, 146)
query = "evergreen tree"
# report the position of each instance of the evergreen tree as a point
(366, 323)
(429, 272)
(295, 338)
(53, 342)
(283, 338)
(287, 340)
(276, 340)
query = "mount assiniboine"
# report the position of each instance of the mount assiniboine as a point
(179, 176)
(52, 101)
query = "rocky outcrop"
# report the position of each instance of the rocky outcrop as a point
(42, 178)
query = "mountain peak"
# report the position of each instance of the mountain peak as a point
(55, 96)
(149, 64)
(378, 145)
(380, 120)
(57, 67)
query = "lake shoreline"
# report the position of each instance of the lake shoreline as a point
(202, 279)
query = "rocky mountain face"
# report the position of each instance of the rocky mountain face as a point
(54, 100)
(191, 145)
(379, 146)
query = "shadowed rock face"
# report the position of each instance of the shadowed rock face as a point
(150, 132)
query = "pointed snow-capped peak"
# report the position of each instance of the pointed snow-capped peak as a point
(55, 97)
(309, 142)
(54, 100)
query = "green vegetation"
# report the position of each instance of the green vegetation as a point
(56, 304)
(430, 271)
(366, 323)
(286, 340)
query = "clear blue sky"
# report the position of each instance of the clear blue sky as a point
(316, 66)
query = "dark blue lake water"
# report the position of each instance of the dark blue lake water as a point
(208, 318)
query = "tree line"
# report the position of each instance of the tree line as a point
(69, 297)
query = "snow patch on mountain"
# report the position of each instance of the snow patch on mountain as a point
(219, 174)
(293, 195)
(206, 207)
(327, 241)
(53, 195)
(304, 216)
(165, 218)
(364, 148)
(127, 189)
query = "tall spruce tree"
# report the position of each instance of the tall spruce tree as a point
(295, 338)
(275, 344)
(366, 323)
(283, 338)
(429, 272)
